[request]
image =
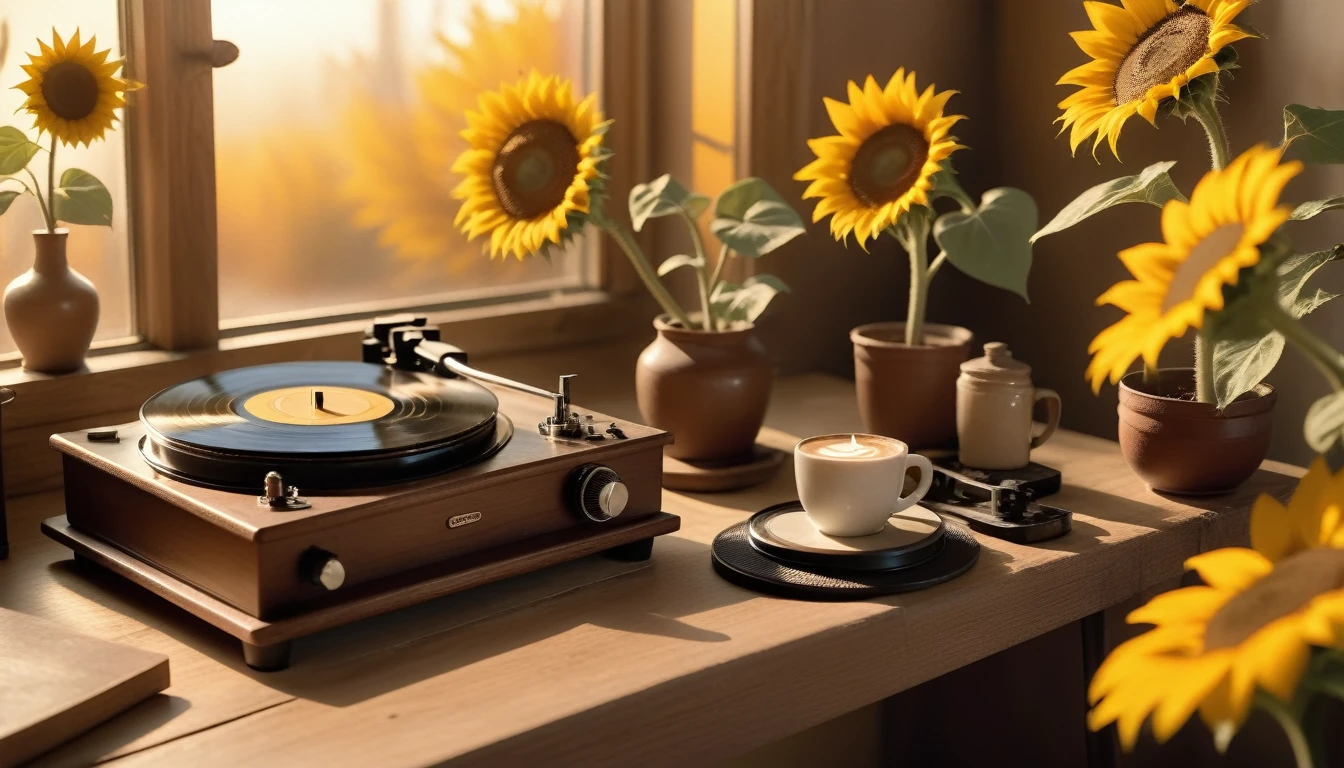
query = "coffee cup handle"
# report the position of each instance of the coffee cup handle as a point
(925, 480)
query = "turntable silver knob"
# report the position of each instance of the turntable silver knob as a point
(322, 569)
(597, 493)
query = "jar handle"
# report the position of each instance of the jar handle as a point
(1052, 408)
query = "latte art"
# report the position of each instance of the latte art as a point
(851, 447)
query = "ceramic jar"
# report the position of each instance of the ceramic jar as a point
(909, 392)
(708, 388)
(51, 310)
(995, 400)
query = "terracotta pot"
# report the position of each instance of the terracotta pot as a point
(1178, 445)
(905, 392)
(51, 310)
(708, 389)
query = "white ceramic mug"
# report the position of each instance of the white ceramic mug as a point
(850, 484)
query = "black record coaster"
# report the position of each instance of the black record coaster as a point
(736, 560)
(203, 430)
(785, 533)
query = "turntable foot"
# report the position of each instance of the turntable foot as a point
(267, 658)
(634, 552)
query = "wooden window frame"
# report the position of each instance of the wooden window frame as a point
(171, 175)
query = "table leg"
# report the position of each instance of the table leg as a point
(1102, 748)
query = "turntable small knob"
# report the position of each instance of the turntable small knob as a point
(597, 493)
(322, 569)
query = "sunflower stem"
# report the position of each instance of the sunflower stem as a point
(718, 274)
(702, 271)
(51, 186)
(642, 268)
(1326, 358)
(37, 191)
(1291, 728)
(1206, 112)
(917, 248)
(1204, 389)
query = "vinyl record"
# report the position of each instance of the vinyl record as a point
(322, 425)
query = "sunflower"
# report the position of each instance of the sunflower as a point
(400, 181)
(891, 143)
(1208, 242)
(1142, 53)
(72, 90)
(532, 166)
(1251, 626)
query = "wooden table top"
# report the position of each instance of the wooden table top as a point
(661, 664)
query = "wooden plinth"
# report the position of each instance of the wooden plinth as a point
(721, 476)
(266, 643)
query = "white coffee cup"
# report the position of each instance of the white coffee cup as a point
(851, 484)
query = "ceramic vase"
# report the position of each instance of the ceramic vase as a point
(1181, 446)
(51, 310)
(709, 389)
(909, 392)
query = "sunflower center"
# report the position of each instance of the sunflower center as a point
(887, 164)
(1292, 584)
(70, 90)
(534, 168)
(1165, 51)
(1218, 245)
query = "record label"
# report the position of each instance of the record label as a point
(318, 405)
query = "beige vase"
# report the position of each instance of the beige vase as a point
(51, 310)
(708, 389)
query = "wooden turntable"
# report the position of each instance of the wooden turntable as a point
(476, 482)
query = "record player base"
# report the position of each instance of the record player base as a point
(266, 644)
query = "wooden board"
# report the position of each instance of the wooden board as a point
(666, 665)
(55, 684)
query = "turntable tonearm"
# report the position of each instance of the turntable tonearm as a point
(281, 500)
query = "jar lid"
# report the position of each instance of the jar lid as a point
(998, 364)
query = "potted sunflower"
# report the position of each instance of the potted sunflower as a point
(889, 163)
(72, 90)
(1225, 268)
(532, 180)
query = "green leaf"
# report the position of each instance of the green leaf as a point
(992, 243)
(1246, 348)
(663, 196)
(734, 201)
(1324, 427)
(732, 303)
(1313, 135)
(765, 226)
(679, 261)
(7, 199)
(1153, 186)
(1315, 208)
(15, 150)
(82, 199)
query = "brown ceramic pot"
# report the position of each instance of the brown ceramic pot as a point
(708, 389)
(1178, 445)
(910, 392)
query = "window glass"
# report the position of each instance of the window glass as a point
(101, 254)
(335, 131)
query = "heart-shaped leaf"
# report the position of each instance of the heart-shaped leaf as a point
(15, 150)
(765, 226)
(1315, 208)
(1324, 426)
(1153, 186)
(1313, 135)
(732, 303)
(7, 199)
(993, 242)
(663, 196)
(82, 199)
(1246, 348)
(679, 261)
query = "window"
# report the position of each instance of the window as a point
(335, 132)
(99, 253)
